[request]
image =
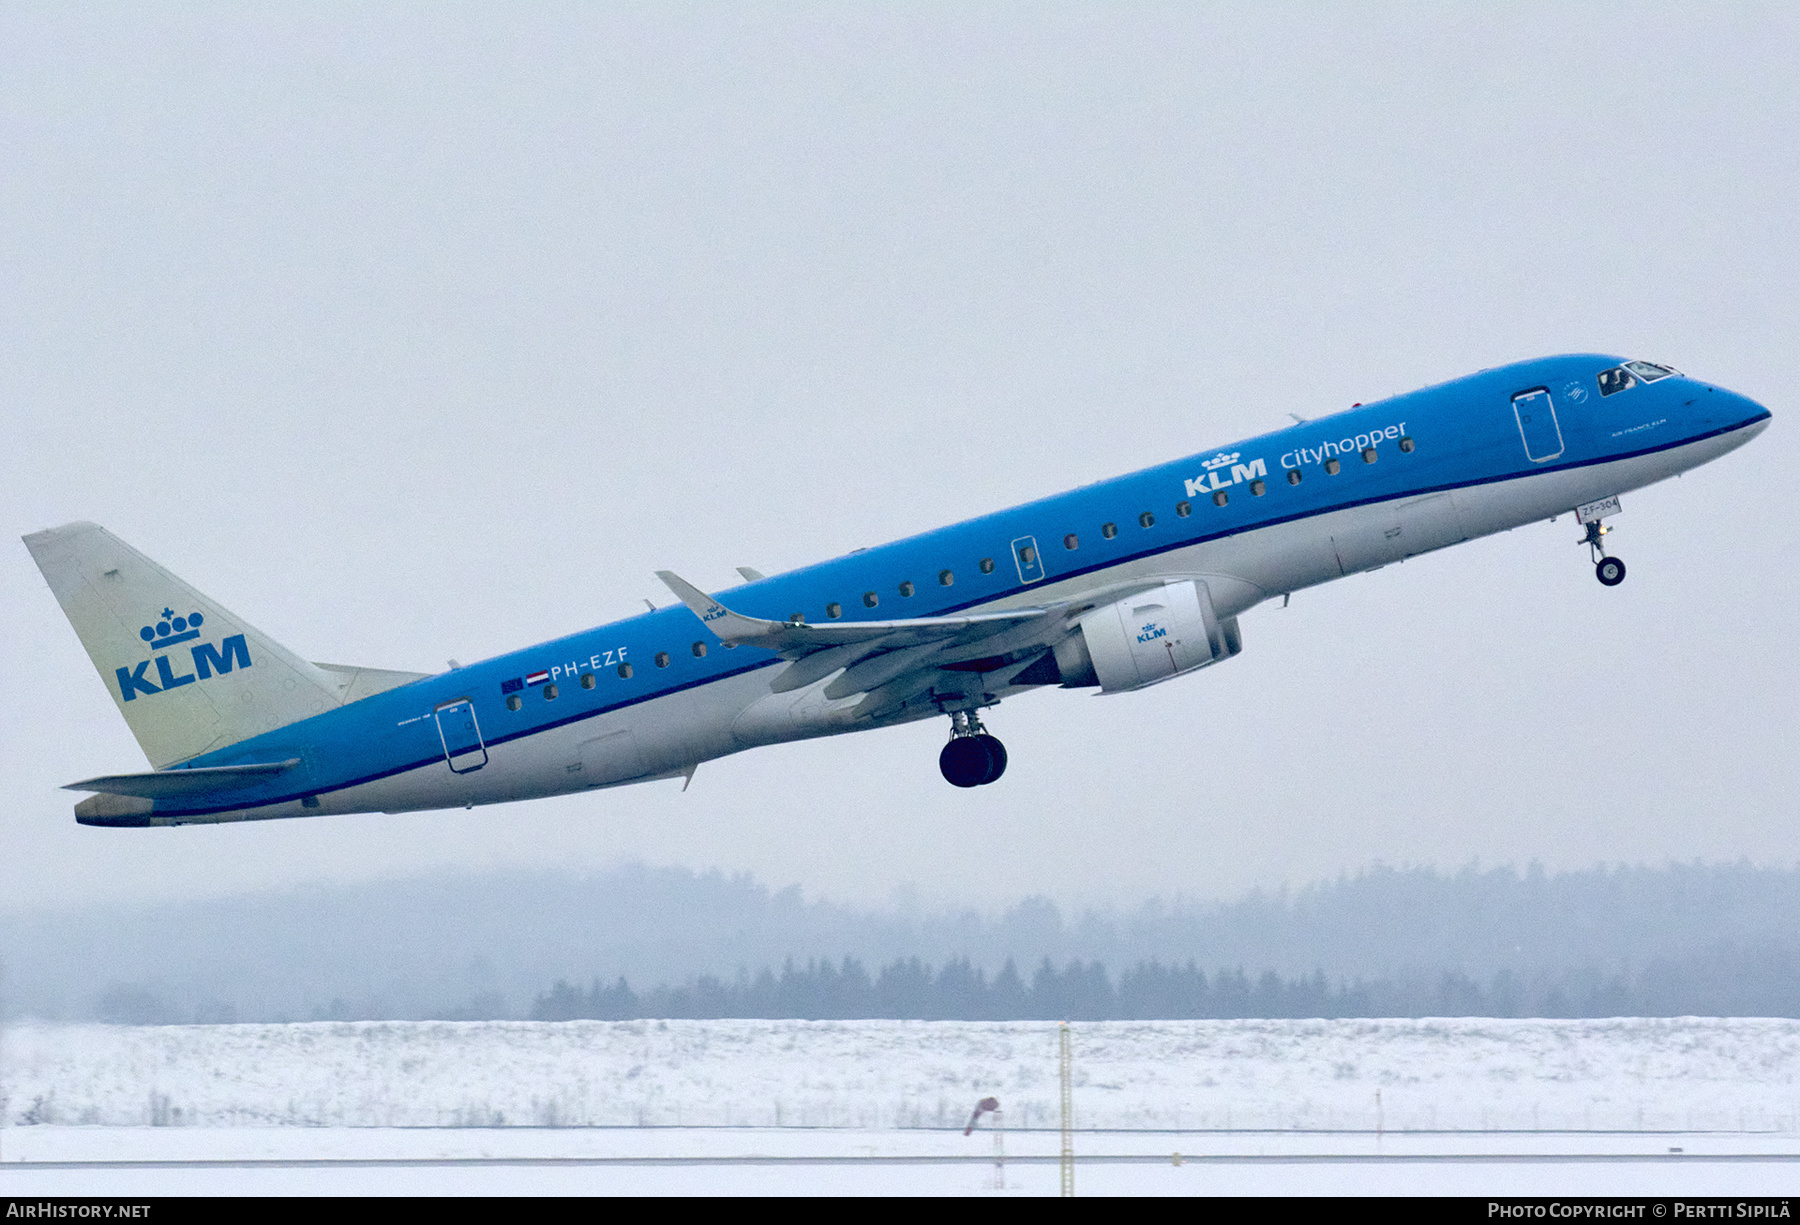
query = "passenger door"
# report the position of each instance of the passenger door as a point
(1536, 415)
(461, 735)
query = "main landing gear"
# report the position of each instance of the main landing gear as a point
(1609, 570)
(972, 758)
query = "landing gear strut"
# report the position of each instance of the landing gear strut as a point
(972, 758)
(1609, 570)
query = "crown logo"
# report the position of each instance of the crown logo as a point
(1220, 460)
(171, 629)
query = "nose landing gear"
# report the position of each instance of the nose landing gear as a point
(972, 758)
(1609, 570)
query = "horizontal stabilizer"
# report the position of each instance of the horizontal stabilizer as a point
(167, 784)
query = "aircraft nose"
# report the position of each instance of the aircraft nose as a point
(1750, 412)
(1736, 416)
(1735, 411)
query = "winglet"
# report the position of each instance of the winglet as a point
(729, 626)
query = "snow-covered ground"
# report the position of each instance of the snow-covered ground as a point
(1682, 1074)
(1646, 1107)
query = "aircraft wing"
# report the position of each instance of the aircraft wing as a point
(893, 662)
(794, 639)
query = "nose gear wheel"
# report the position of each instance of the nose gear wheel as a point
(1609, 570)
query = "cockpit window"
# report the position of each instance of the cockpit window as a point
(1616, 379)
(1620, 378)
(1649, 371)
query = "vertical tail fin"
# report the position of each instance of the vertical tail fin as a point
(188, 675)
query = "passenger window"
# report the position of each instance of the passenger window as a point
(513, 703)
(1028, 556)
(1220, 498)
(945, 578)
(549, 693)
(1146, 520)
(699, 650)
(662, 659)
(1257, 489)
(1332, 467)
(1615, 380)
(1293, 476)
(625, 671)
(870, 599)
(1071, 541)
(906, 589)
(1183, 509)
(987, 565)
(1406, 443)
(1368, 455)
(1109, 530)
(587, 680)
(834, 611)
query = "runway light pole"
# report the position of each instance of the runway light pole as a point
(1068, 1115)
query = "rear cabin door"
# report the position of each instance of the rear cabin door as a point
(461, 735)
(1536, 415)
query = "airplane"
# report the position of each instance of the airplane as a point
(1114, 587)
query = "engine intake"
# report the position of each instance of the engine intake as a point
(1147, 638)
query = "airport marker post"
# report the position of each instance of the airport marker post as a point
(1068, 1113)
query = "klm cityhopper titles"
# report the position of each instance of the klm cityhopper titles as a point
(1114, 587)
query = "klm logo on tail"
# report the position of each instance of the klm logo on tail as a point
(208, 659)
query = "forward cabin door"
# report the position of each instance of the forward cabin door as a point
(1536, 415)
(461, 735)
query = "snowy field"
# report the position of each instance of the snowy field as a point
(1683, 1074)
(1440, 1106)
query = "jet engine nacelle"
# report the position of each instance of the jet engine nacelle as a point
(1148, 638)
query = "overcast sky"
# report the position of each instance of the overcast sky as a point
(412, 334)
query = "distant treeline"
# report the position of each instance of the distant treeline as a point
(1713, 939)
(1727, 981)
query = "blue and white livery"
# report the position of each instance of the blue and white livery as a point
(1114, 586)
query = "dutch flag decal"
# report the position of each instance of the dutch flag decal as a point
(537, 678)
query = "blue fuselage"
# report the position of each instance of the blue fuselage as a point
(1279, 511)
